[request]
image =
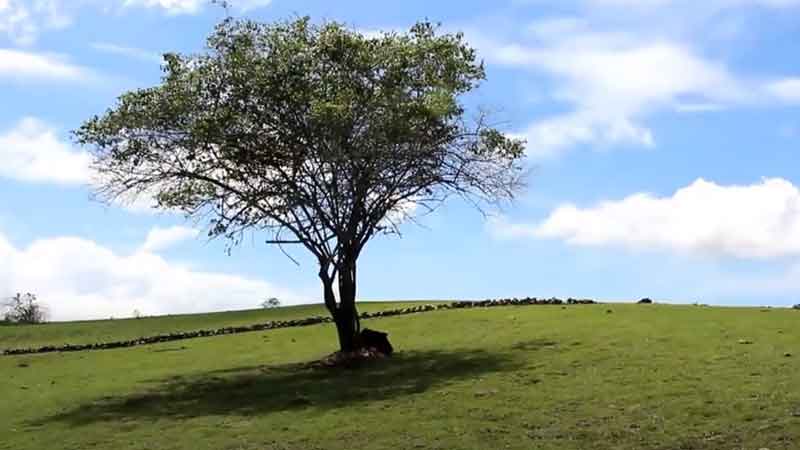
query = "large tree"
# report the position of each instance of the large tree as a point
(315, 134)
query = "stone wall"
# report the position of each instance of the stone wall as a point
(291, 323)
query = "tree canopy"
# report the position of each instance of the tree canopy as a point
(315, 134)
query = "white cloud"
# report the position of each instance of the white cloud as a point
(129, 52)
(22, 20)
(170, 6)
(24, 66)
(162, 238)
(31, 151)
(80, 279)
(612, 80)
(787, 90)
(176, 7)
(247, 5)
(757, 221)
(617, 63)
(549, 137)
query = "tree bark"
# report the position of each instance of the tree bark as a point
(344, 312)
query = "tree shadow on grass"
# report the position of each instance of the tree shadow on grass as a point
(267, 389)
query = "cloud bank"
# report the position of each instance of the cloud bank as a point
(80, 279)
(31, 151)
(756, 221)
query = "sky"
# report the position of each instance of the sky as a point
(662, 142)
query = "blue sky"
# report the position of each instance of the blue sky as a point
(662, 137)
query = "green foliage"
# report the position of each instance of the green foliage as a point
(313, 133)
(313, 130)
(643, 378)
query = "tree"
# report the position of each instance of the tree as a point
(317, 135)
(271, 302)
(24, 309)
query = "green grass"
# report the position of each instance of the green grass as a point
(535, 377)
(91, 331)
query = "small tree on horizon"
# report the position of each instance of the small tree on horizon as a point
(23, 309)
(314, 134)
(272, 302)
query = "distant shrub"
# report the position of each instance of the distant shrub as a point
(23, 309)
(797, 306)
(271, 302)
(137, 314)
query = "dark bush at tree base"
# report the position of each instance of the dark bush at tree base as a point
(377, 340)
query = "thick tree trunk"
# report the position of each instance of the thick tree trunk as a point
(347, 323)
(346, 328)
(344, 312)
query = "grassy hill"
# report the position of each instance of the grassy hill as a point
(90, 331)
(533, 377)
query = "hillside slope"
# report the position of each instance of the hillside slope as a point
(91, 331)
(546, 377)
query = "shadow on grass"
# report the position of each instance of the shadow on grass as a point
(268, 389)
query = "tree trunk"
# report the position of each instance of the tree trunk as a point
(347, 323)
(344, 312)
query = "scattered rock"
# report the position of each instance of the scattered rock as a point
(608, 311)
(645, 301)
(745, 341)
(485, 393)
(787, 355)
(23, 364)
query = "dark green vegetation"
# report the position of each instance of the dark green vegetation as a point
(532, 377)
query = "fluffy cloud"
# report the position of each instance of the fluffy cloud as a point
(170, 6)
(193, 6)
(616, 63)
(612, 80)
(31, 151)
(22, 20)
(24, 66)
(162, 238)
(80, 279)
(758, 221)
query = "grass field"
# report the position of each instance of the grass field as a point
(87, 332)
(532, 377)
